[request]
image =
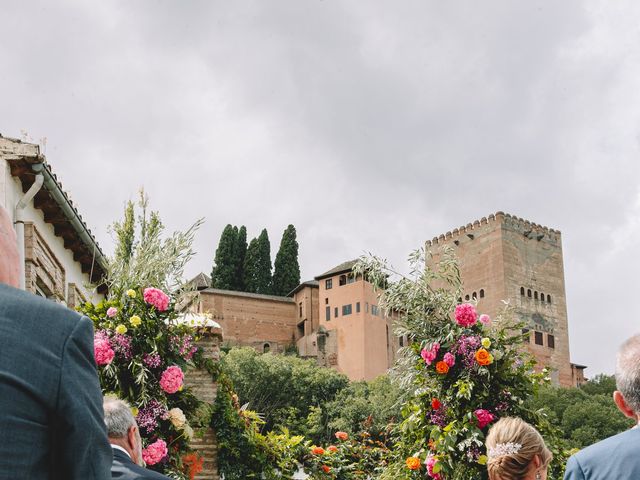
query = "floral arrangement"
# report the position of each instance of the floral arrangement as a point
(461, 371)
(142, 354)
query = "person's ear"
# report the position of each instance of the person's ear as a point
(536, 461)
(622, 405)
(132, 438)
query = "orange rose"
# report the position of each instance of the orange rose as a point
(442, 368)
(317, 450)
(326, 468)
(413, 463)
(483, 357)
(332, 448)
(342, 435)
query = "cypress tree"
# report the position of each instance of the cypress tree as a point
(286, 274)
(223, 275)
(250, 271)
(263, 264)
(240, 254)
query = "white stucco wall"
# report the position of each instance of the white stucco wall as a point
(10, 194)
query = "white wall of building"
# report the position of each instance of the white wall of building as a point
(10, 194)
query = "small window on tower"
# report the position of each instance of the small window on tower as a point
(538, 338)
(328, 283)
(548, 298)
(466, 297)
(482, 293)
(551, 341)
(522, 291)
(529, 293)
(327, 314)
(527, 338)
(335, 312)
(535, 295)
(343, 280)
(474, 295)
(357, 307)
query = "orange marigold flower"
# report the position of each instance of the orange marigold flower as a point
(483, 357)
(342, 435)
(317, 450)
(413, 463)
(332, 448)
(326, 468)
(442, 367)
(431, 444)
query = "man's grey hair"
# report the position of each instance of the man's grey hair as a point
(628, 372)
(117, 417)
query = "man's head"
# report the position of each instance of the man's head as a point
(122, 428)
(9, 257)
(627, 397)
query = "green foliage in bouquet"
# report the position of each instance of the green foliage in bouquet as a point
(460, 372)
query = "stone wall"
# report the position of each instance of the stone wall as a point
(205, 389)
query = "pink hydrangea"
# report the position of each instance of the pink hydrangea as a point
(157, 298)
(102, 349)
(466, 315)
(449, 359)
(484, 417)
(485, 319)
(430, 355)
(155, 452)
(430, 462)
(112, 312)
(171, 379)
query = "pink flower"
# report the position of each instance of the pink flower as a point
(430, 355)
(465, 315)
(102, 349)
(157, 298)
(171, 379)
(430, 462)
(449, 359)
(112, 312)
(155, 452)
(484, 417)
(485, 319)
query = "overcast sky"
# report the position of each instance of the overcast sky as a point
(371, 126)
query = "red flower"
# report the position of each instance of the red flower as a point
(342, 435)
(326, 468)
(435, 403)
(317, 450)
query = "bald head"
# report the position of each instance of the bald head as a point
(9, 257)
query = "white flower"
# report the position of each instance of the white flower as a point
(177, 418)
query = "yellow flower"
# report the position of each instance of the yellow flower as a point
(486, 343)
(121, 329)
(131, 293)
(135, 321)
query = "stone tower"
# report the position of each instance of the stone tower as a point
(507, 259)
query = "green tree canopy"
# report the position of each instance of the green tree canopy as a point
(262, 267)
(285, 389)
(286, 274)
(224, 271)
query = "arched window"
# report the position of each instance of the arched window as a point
(266, 348)
(474, 295)
(460, 300)
(535, 295)
(529, 293)
(522, 291)
(466, 297)
(482, 293)
(548, 298)
(541, 297)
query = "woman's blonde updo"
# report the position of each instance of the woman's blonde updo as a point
(512, 445)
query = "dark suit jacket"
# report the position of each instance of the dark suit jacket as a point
(124, 469)
(51, 418)
(616, 457)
